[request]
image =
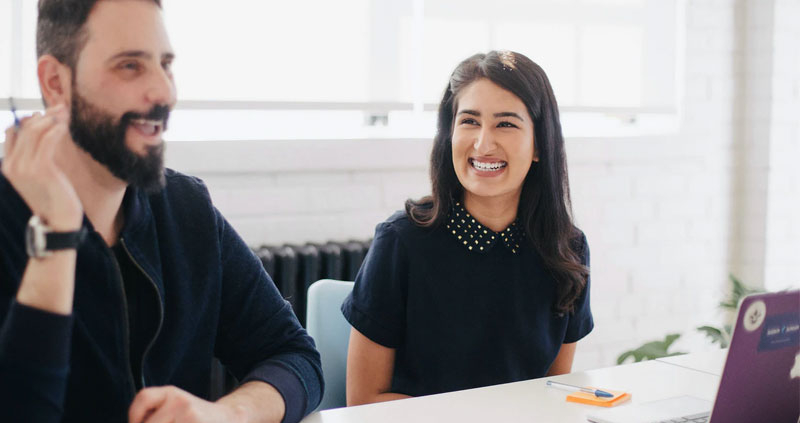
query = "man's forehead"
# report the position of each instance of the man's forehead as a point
(116, 26)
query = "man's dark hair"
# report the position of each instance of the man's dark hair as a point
(60, 28)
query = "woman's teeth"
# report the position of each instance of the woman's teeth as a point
(488, 166)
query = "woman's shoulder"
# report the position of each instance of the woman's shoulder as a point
(579, 244)
(400, 225)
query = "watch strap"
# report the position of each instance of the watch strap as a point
(65, 240)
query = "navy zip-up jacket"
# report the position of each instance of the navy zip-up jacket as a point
(214, 297)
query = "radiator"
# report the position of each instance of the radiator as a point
(294, 268)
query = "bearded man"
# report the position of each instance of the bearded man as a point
(119, 280)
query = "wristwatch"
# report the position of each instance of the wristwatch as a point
(41, 240)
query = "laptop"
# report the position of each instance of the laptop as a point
(761, 379)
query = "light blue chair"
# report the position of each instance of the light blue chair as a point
(331, 332)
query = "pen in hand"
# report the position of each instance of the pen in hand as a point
(572, 388)
(14, 112)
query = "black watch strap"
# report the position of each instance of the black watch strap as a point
(65, 240)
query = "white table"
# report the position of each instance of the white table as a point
(532, 401)
(709, 361)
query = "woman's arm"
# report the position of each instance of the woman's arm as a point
(563, 362)
(369, 371)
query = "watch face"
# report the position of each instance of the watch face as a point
(30, 240)
(35, 242)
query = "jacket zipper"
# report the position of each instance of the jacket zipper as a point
(160, 310)
(126, 327)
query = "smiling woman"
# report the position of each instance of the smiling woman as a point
(485, 281)
(521, 130)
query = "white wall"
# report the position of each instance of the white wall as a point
(667, 217)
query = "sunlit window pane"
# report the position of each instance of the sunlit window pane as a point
(447, 43)
(5, 48)
(551, 46)
(315, 50)
(30, 82)
(611, 66)
(388, 55)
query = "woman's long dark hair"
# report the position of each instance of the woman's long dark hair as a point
(545, 210)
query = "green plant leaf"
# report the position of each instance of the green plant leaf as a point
(738, 291)
(651, 350)
(716, 335)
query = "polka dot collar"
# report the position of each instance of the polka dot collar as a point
(474, 236)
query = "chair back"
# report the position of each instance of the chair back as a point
(331, 332)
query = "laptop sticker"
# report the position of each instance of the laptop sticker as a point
(754, 316)
(795, 373)
(780, 331)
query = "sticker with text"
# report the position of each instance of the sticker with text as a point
(780, 331)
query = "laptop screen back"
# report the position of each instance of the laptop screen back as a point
(761, 380)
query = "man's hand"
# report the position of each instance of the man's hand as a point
(168, 404)
(29, 165)
(252, 402)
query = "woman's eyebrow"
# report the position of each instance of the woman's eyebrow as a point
(509, 114)
(470, 112)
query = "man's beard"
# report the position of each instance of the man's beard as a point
(98, 134)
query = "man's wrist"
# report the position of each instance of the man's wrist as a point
(48, 283)
(255, 401)
(65, 223)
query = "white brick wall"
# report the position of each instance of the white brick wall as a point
(783, 191)
(667, 217)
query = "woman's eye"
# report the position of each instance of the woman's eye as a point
(506, 125)
(469, 121)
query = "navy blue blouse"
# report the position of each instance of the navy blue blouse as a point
(461, 317)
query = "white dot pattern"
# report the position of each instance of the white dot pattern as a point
(477, 237)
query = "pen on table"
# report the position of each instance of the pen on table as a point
(572, 388)
(14, 112)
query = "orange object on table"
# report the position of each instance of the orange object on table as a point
(585, 398)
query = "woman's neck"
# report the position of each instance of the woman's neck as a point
(496, 213)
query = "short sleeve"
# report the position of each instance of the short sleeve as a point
(377, 305)
(581, 321)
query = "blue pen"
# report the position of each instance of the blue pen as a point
(14, 112)
(572, 388)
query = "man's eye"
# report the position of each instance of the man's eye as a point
(132, 66)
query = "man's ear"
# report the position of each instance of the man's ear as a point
(55, 81)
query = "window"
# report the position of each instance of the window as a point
(6, 32)
(249, 69)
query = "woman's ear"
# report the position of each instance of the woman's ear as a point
(55, 81)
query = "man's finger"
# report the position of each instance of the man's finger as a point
(146, 400)
(30, 134)
(57, 117)
(11, 138)
(50, 140)
(166, 413)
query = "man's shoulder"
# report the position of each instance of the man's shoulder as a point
(184, 199)
(180, 188)
(177, 181)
